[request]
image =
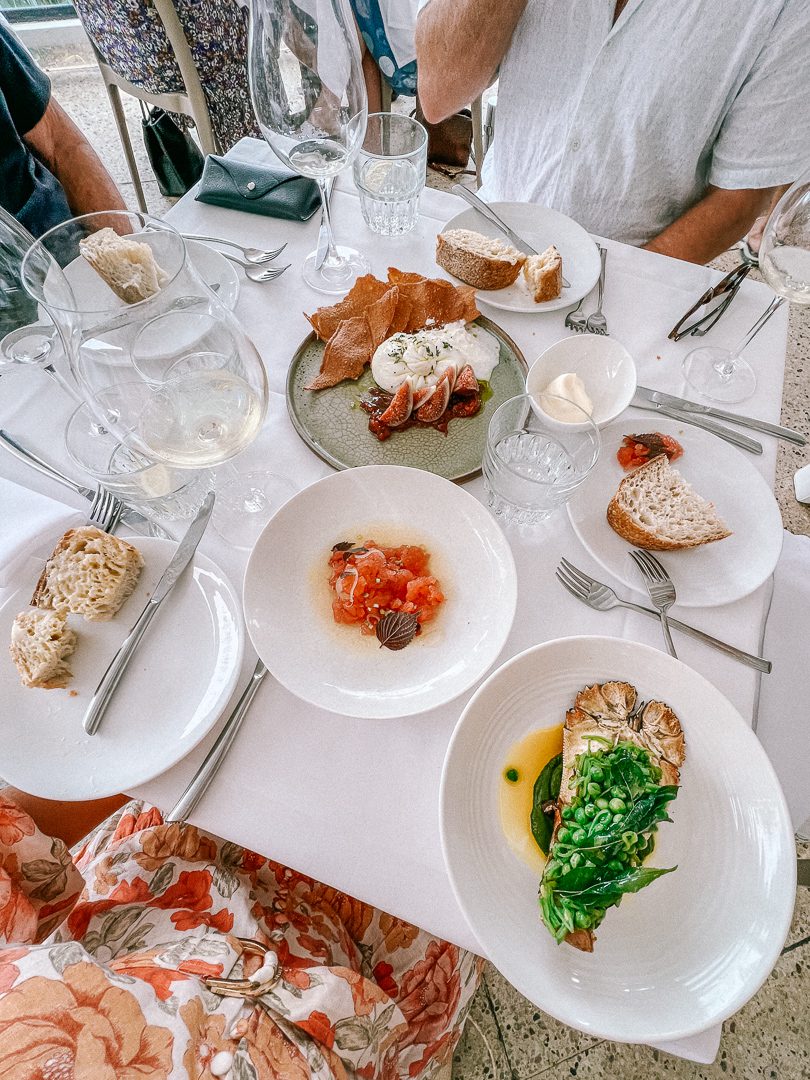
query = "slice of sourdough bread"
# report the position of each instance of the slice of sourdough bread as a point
(656, 508)
(544, 275)
(128, 266)
(41, 642)
(90, 573)
(482, 261)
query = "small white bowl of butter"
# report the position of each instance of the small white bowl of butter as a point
(596, 373)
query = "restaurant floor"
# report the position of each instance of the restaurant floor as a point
(507, 1038)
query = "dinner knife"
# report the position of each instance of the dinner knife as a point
(736, 438)
(130, 517)
(658, 397)
(485, 210)
(180, 560)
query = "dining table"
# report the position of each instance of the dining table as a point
(355, 802)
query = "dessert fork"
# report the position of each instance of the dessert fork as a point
(601, 597)
(257, 273)
(660, 588)
(258, 256)
(597, 323)
(576, 320)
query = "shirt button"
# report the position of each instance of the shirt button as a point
(575, 144)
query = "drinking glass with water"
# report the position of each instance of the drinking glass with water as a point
(389, 172)
(534, 462)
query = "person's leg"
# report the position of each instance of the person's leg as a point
(371, 74)
(70, 821)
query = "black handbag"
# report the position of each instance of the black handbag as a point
(176, 160)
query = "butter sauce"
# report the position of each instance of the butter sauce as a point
(527, 758)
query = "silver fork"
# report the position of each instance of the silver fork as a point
(575, 319)
(257, 273)
(105, 510)
(660, 588)
(601, 597)
(597, 323)
(259, 256)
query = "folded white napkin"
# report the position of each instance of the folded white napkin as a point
(782, 724)
(29, 524)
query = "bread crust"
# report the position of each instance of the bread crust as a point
(544, 276)
(476, 269)
(630, 530)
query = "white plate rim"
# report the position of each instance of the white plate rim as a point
(673, 427)
(568, 297)
(205, 563)
(747, 734)
(195, 248)
(511, 572)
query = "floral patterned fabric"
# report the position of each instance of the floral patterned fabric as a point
(105, 957)
(130, 37)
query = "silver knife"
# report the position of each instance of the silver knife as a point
(658, 397)
(736, 438)
(485, 210)
(136, 521)
(182, 557)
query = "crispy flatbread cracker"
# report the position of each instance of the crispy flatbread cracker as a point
(404, 277)
(364, 292)
(346, 354)
(401, 315)
(380, 315)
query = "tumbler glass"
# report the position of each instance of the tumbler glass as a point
(389, 173)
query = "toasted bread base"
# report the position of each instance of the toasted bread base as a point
(480, 270)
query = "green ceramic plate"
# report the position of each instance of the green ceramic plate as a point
(334, 426)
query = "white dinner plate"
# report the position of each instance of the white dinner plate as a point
(538, 226)
(216, 271)
(287, 597)
(705, 576)
(690, 949)
(172, 693)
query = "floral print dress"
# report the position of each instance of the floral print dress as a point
(160, 952)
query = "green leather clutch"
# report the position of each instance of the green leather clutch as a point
(257, 189)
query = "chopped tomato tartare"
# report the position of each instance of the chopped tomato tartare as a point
(636, 449)
(369, 581)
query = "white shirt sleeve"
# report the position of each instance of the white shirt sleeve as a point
(764, 139)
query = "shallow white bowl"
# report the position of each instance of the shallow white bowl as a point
(603, 364)
(288, 606)
(693, 947)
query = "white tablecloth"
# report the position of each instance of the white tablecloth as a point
(355, 803)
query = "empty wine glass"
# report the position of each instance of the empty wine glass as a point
(306, 83)
(784, 259)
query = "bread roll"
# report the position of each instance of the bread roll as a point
(481, 261)
(128, 266)
(41, 641)
(90, 573)
(656, 508)
(543, 274)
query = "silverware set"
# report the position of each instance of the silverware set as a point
(254, 260)
(595, 323)
(602, 597)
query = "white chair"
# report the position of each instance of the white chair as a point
(189, 103)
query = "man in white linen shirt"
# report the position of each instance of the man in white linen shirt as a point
(662, 123)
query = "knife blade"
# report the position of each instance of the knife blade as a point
(736, 438)
(658, 397)
(117, 666)
(485, 210)
(137, 522)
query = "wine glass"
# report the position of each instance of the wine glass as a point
(784, 259)
(172, 376)
(308, 93)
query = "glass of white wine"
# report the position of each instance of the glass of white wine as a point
(784, 259)
(306, 83)
(188, 386)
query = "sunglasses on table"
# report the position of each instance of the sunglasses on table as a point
(724, 292)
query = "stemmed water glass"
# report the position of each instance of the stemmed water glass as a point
(306, 83)
(784, 259)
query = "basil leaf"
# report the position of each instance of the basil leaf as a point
(610, 891)
(546, 786)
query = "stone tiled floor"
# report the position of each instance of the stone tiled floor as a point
(508, 1038)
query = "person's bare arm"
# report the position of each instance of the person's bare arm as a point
(713, 225)
(459, 45)
(64, 150)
